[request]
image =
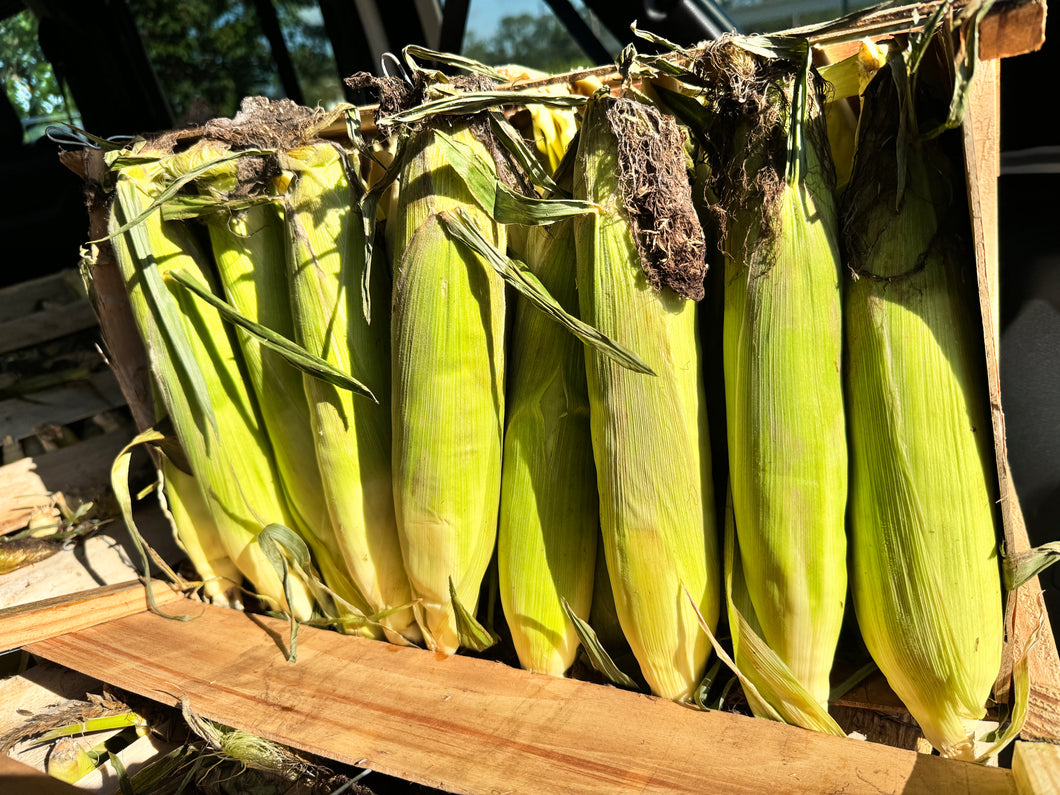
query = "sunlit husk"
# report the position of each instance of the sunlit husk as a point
(925, 578)
(447, 333)
(549, 519)
(196, 532)
(785, 416)
(233, 461)
(649, 435)
(326, 261)
(249, 254)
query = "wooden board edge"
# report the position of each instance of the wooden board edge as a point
(22, 625)
(433, 719)
(1018, 31)
(1027, 625)
(1036, 768)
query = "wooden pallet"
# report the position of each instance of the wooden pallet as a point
(63, 417)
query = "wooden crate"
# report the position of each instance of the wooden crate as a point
(470, 725)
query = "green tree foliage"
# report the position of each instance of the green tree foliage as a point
(209, 54)
(30, 82)
(536, 42)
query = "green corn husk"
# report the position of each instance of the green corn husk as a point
(925, 579)
(782, 349)
(197, 533)
(200, 379)
(649, 434)
(549, 515)
(325, 240)
(447, 332)
(249, 254)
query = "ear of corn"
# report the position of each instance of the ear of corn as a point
(549, 516)
(925, 575)
(199, 376)
(197, 533)
(771, 688)
(325, 240)
(447, 331)
(649, 435)
(784, 405)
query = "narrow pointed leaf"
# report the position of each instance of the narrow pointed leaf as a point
(472, 634)
(749, 688)
(119, 482)
(449, 59)
(514, 208)
(291, 351)
(595, 650)
(466, 104)
(529, 286)
(516, 146)
(1017, 569)
(279, 542)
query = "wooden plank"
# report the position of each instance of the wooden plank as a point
(69, 402)
(90, 562)
(467, 725)
(37, 621)
(46, 325)
(1021, 29)
(17, 300)
(82, 469)
(19, 779)
(1036, 768)
(1027, 623)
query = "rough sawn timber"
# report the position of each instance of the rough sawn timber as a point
(466, 725)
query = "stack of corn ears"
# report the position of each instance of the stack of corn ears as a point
(437, 418)
(198, 373)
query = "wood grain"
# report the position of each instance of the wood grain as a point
(1036, 767)
(37, 621)
(17, 300)
(62, 405)
(473, 726)
(1027, 623)
(46, 325)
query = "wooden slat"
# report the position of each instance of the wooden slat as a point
(17, 300)
(473, 726)
(70, 402)
(1020, 29)
(1027, 623)
(31, 623)
(46, 325)
(1036, 767)
(125, 349)
(19, 779)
